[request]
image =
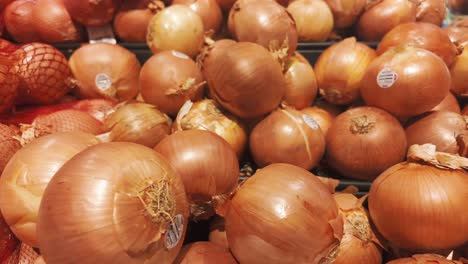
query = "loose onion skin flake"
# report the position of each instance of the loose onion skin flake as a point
(283, 214)
(122, 195)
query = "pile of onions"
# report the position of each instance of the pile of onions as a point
(53, 23)
(246, 80)
(345, 12)
(138, 123)
(429, 190)
(276, 217)
(207, 164)
(323, 113)
(44, 74)
(8, 144)
(208, 10)
(264, 22)
(27, 174)
(122, 195)
(431, 11)
(204, 252)
(457, 34)
(8, 241)
(381, 16)
(8, 82)
(176, 28)
(169, 87)
(358, 144)
(421, 35)
(450, 103)
(311, 12)
(92, 13)
(207, 115)
(406, 81)
(441, 128)
(459, 73)
(301, 84)
(19, 21)
(105, 70)
(297, 139)
(359, 243)
(218, 232)
(424, 258)
(340, 69)
(132, 19)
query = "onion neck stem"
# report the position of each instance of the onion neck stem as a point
(361, 125)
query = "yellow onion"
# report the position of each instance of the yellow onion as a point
(283, 214)
(204, 252)
(287, 136)
(121, 195)
(424, 259)
(208, 10)
(431, 11)
(458, 34)
(346, 12)
(323, 113)
(420, 204)
(138, 123)
(359, 243)
(92, 12)
(381, 16)
(207, 115)
(459, 73)
(301, 84)
(176, 28)
(450, 103)
(314, 19)
(132, 19)
(27, 174)
(340, 69)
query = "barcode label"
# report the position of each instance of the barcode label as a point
(103, 81)
(310, 121)
(386, 78)
(174, 232)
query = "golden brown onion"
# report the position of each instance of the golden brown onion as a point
(313, 18)
(323, 113)
(246, 80)
(358, 144)
(210, 52)
(169, 87)
(132, 19)
(421, 35)
(121, 195)
(431, 11)
(424, 259)
(457, 34)
(420, 205)
(27, 174)
(208, 10)
(204, 253)
(92, 12)
(19, 21)
(276, 217)
(406, 81)
(459, 73)
(104, 70)
(207, 115)
(346, 12)
(287, 136)
(176, 28)
(450, 103)
(340, 69)
(381, 16)
(8, 144)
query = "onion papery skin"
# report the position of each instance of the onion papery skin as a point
(207, 115)
(431, 11)
(340, 69)
(19, 21)
(421, 35)
(241, 78)
(264, 22)
(8, 144)
(132, 19)
(346, 13)
(104, 70)
(428, 197)
(275, 217)
(218, 232)
(297, 140)
(204, 252)
(91, 12)
(359, 243)
(450, 103)
(8, 82)
(207, 164)
(424, 259)
(323, 113)
(420, 80)
(53, 24)
(176, 28)
(169, 87)
(44, 74)
(459, 73)
(310, 12)
(301, 83)
(138, 123)
(381, 16)
(358, 137)
(119, 182)
(457, 34)
(210, 53)
(440, 128)
(208, 10)
(27, 174)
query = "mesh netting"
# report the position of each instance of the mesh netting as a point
(23, 255)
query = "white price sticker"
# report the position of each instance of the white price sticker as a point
(386, 78)
(174, 232)
(310, 121)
